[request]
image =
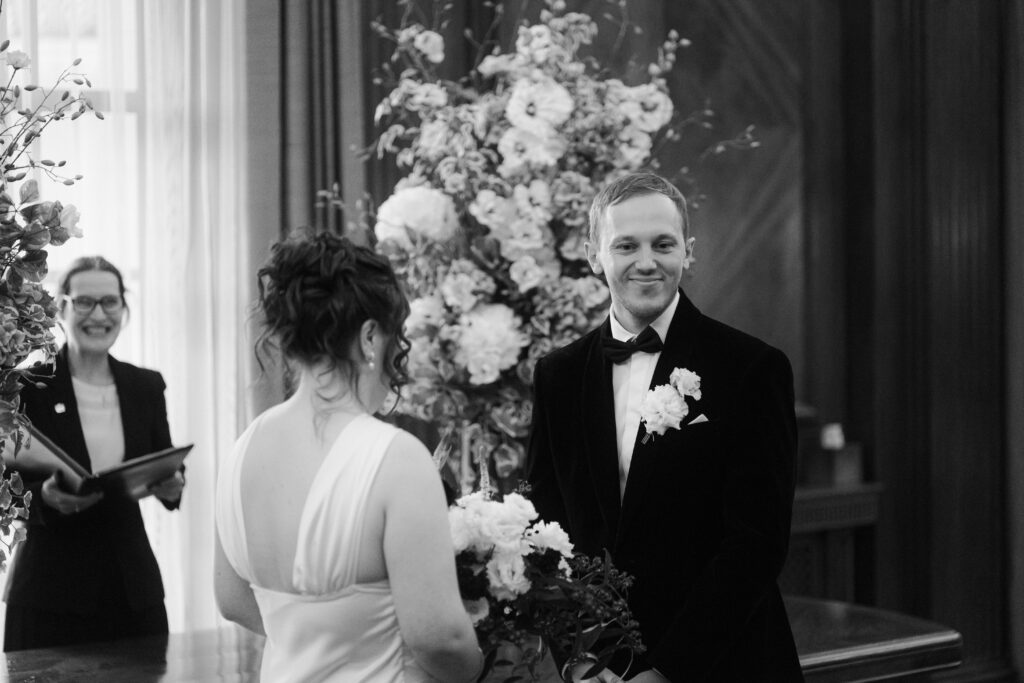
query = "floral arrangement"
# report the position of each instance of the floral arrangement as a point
(487, 226)
(664, 406)
(523, 586)
(27, 227)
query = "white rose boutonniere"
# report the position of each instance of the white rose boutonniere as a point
(664, 406)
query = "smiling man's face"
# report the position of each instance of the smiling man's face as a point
(641, 253)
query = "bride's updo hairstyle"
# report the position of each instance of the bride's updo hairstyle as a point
(315, 293)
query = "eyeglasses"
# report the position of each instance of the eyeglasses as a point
(86, 304)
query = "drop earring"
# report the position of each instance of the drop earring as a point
(370, 360)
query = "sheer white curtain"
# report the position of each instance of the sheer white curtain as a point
(193, 268)
(164, 199)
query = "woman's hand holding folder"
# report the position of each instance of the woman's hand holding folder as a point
(54, 495)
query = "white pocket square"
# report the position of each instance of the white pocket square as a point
(697, 420)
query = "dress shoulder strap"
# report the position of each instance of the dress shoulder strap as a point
(331, 528)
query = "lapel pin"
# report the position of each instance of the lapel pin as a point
(59, 408)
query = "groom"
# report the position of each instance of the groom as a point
(700, 513)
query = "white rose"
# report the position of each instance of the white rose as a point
(69, 216)
(424, 210)
(18, 59)
(506, 573)
(431, 45)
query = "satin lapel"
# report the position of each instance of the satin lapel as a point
(677, 353)
(599, 435)
(69, 423)
(131, 414)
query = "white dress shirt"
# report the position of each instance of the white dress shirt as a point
(630, 382)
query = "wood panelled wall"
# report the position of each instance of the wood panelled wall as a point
(926, 288)
(875, 237)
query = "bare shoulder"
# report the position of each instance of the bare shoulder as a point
(407, 458)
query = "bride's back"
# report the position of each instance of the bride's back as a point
(332, 531)
(283, 460)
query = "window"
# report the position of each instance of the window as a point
(108, 153)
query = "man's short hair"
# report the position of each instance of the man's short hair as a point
(634, 185)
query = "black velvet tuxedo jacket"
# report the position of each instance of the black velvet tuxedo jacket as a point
(62, 563)
(703, 525)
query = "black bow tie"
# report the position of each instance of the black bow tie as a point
(619, 351)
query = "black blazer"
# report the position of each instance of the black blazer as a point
(61, 564)
(703, 525)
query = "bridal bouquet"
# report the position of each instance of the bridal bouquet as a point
(523, 586)
(487, 226)
(27, 226)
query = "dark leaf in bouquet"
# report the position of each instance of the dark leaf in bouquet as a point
(59, 235)
(600, 665)
(4, 45)
(34, 238)
(32, 266)
(15, 177)
(29, 192)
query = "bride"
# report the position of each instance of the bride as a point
(332, 532)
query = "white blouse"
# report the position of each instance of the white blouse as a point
(100, 413)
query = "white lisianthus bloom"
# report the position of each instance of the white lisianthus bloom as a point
(526, 273)
(417, 96)
(544, 535)
(492, 65)
(491, 209)
(663, 407)
(431, 44)
(593, 292)
(538, 106)
(422, 359)
(489, 342)
(462, 286)
(634, 146)
(434, 140)
(520, 149)
(686, 382)
(424, 312)
(648, 107)
(521, 237)
(69, 217)
(421, 209)
(506, 573)
(573, 246)
(533, 200)
(18, 59)
(535, 43)
(459, 291)
(409, 33)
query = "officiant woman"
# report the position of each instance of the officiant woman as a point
(86, 571)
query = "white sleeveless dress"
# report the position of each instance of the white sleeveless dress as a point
(330, 628)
